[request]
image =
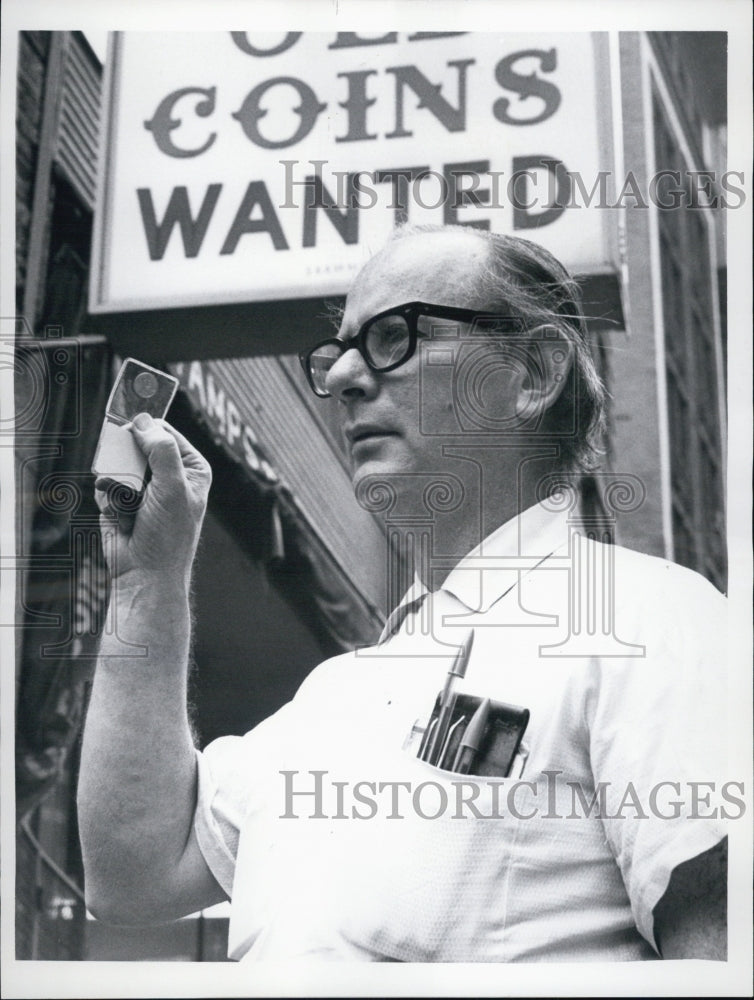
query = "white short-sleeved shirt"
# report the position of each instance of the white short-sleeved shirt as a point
(334, 841)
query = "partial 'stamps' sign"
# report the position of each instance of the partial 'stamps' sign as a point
(240, 167)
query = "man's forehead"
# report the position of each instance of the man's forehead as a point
(438, 267)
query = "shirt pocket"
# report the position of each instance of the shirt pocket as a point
(418, 868)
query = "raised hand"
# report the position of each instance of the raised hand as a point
(159, 537)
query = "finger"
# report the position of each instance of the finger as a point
(114, 522)
(103, 496)
(184, 445)
(159, 446)
(116, 501)
(190, 457)
(100, 494)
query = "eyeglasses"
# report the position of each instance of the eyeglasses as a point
(388, 340)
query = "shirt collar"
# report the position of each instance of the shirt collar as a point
(482, 577)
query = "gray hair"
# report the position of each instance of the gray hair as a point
(523, 279)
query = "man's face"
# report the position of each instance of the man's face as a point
(380, 412)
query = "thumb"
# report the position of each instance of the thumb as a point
(159, 447)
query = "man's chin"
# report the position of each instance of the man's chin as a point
(375, 485)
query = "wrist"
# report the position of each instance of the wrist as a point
(149, 610)
(149, 593)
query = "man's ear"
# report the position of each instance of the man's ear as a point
(549, 361)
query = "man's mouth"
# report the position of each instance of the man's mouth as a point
(367, 432)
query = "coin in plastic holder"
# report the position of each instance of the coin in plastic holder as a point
(145, 385)
(139, 388)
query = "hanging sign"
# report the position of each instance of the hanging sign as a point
(241, 167)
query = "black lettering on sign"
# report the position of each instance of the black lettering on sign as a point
(161, 124)
(422, 36)
(453, 118)
(356, 104)
(349, 39)
(460, 195)
(250, 112)
(400, 177)
(346, 223)
(256, 195)
(177, 213)
(527, 86)
(559, 190)
(241, 40)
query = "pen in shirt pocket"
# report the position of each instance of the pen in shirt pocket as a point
(447, 700)
(471, 740)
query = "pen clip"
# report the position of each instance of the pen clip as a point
(441, 761)
(426, 742)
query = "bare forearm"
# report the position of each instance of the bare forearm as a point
(137, 786)
(137, 782)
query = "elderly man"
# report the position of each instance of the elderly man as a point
(461, 366)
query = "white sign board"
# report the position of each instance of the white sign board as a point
(241, 167)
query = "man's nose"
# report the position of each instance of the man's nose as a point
(350, 377)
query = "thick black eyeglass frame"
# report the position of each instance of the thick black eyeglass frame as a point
(410, 311)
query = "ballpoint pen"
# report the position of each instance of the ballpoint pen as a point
(448, 699)
(471, 741)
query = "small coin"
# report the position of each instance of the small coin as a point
(145, 385)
